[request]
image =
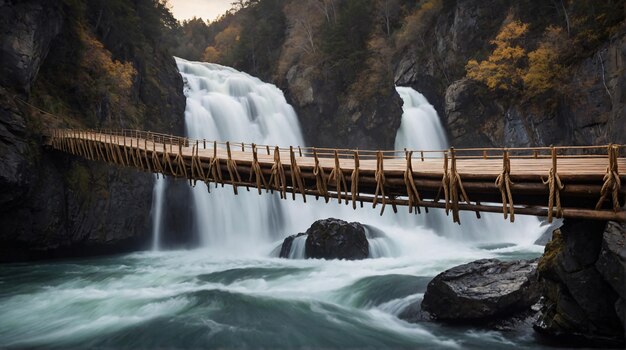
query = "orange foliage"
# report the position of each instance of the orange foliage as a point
(503, 69)
(108, 79)
(211, 54)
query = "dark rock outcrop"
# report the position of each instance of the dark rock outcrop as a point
(589, 109)
(583, 276)
(28, 28)
(331, 239)
(53, 204)
(331, 118)
(336, 239)
(482, 290)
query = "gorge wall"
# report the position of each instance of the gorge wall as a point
(338, 60)
(65, 57)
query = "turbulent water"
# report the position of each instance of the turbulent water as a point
(231, 293)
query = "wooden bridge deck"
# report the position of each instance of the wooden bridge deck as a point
(461, 179)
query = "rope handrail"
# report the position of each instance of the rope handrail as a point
(343, 153)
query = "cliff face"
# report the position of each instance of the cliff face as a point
(583, 271)
(56, 205)
(586, 107)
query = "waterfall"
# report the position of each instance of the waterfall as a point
(421, 129)
(156, 211)
(224, 104)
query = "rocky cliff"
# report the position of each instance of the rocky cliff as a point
(56, 205)
(586, 105)
(584, 276)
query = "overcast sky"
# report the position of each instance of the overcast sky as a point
(206, 9)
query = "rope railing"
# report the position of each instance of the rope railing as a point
(376, 176)
(345, 153)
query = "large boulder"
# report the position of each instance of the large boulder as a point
(336, 239)
(331, 239)
(482, 290)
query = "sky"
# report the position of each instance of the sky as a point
(206, 9)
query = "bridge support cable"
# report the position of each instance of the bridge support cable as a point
(278, 179)
(340, 180)
(297, 181)
(504, 183)
(379, 175)
(320, 178)
(554, 187)
(231, 166)
(255, 170)
(354, 180)
(612, 182)
(411, 189)
(457, 191)
(215, 168)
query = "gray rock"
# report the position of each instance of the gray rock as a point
(580, 272)
(27, 28)
(482, 289)
(336, 239)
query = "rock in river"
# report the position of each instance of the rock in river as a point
(332, 239)
(483, 289)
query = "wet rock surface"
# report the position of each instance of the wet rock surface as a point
(332, 239)
(582, 270)
(482, 290)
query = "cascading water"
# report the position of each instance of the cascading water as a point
(421, 129)
(234, 295)
(157, 211)
(225, 104)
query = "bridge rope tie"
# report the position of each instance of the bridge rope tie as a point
(180, 162)
(296, 177)
(156, 161)
(196, 166)
(354, 181)
(411, 189)
(340, 180)
(456, 186)
(320, 178)
(215, 168)
(379, 176)
(167, 160)
(278, 175)
(554, 187)
(255, 170)
(231, 166)
(145, 153)
(503, 183)
(126, 152)
(118, 151)
(612, 181)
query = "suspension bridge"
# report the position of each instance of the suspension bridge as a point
(556, 182)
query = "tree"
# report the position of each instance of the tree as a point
(544, 68)
(211, 54)
(503, 70)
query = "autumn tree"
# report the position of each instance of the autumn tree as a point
(544, 68)
(211, 54)
(416, 22)
(504, 68)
